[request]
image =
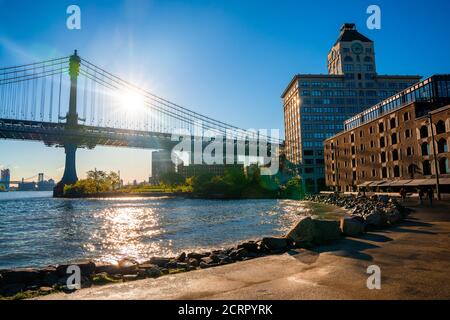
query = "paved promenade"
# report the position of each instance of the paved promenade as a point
(414, 258)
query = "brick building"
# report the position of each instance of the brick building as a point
(390, 145)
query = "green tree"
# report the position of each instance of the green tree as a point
(293, 189)
(172, 179)
(113, 180)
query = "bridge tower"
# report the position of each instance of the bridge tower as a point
(70, 147)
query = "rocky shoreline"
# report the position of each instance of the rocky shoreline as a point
(364, 214)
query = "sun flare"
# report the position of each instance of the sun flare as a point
(131, 101)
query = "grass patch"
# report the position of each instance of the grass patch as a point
(177, 270)
(29, 294)
(103, 278)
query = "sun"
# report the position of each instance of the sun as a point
(131, 101)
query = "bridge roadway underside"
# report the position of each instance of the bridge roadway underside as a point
(58, 134)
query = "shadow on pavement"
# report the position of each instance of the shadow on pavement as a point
(350, 248)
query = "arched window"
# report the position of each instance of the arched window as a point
(396, 171)
(412, 170)
(383, 156)
(440, 127)
(442, 146)
(384, 172)
(425, 149)
(443, 166)
(407, 133)
(395, 155)
(423, 132)
(409, 151)
(393, 123)
(348, 59)
(381, 127)
(394, 138)
(426, 168)
(382, 144)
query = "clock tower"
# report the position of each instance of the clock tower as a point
(352, 55)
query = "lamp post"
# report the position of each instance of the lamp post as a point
(436, 167)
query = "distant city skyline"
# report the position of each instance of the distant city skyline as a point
(229, 60)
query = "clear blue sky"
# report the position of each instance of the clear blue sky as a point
(228, 59)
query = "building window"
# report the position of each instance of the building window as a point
(373, 173)
(348, 67)
(382, 142)
(384, 172)
(348, 59)
(381, 127)
(407, 133)
(383, 156)
(423, 132)
(442, 146)
(396, 171)
(394, 138)
(393, 123)
(406, 116)
(426, 168)
(371, 144)
(440, 127)
(443, 166)
(409, 151)
(425, 149)
(395, 155)
(371, 130)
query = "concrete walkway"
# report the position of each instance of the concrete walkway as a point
(414, 258)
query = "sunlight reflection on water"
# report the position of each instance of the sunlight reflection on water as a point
(42, 231)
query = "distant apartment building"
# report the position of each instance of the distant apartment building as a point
(315, 105)
(401, 142)
(161, 164)
(5, 178)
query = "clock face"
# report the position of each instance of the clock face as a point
(357, 48)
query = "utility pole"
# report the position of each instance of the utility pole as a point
(436, 167)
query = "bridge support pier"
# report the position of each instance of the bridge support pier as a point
(70, 171)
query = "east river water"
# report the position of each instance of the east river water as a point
(37, 230)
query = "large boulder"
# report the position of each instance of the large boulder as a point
(303, 231)
(273, 244)
(314, 231)
(351, 226)
(325, 231)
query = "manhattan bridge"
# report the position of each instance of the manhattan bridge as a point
(72, 103)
